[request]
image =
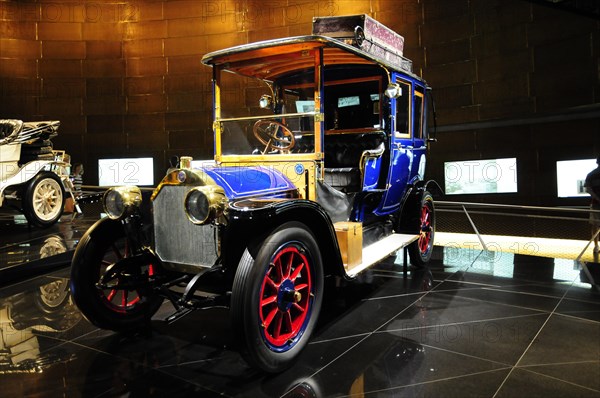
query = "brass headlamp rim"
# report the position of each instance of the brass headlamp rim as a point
(215, 196)
(131, 197)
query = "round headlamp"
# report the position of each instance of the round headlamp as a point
(120, 202)
(265, 101)
(204, 204)
(393, 90)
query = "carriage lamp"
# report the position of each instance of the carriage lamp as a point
(265, 101)
(120, 202)
(393, 90)
(205, 203)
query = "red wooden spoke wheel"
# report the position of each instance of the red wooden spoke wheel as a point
(285, 297)
(426, 229)
(276, 296)
(420, 251)
(111, 297)
(117, 298)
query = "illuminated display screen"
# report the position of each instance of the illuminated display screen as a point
(305, 106)
(348, 101)
(126, 171)
(481, 176)
(570, 177)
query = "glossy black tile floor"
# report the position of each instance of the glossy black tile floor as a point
(474, 324)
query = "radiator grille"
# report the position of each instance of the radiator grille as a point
(178, 241)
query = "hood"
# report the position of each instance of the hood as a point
(244, 181)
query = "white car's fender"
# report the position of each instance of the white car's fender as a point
(26, 173)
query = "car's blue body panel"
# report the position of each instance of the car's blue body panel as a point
(239, 182)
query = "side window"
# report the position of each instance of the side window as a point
(403, 104)
(418, 127)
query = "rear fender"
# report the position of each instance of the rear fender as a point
(408, 220)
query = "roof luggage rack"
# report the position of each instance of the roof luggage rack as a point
(366, 33)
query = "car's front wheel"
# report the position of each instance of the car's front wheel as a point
(123, 299)
(44, 199)
(276, 297)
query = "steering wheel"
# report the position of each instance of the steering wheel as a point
(273, 134)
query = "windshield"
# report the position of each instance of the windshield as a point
(284, 123)
(260, 117)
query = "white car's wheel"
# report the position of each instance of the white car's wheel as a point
(44, 199)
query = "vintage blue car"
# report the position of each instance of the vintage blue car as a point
(320, 148)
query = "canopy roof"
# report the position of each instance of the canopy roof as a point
(272, 59)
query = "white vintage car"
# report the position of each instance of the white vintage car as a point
(33, 177)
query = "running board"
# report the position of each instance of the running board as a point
(379, 250)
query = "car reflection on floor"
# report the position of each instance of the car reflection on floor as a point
(45, 309)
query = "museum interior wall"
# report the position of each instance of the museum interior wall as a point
(511, 78)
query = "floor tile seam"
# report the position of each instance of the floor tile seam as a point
(380, 327)
(91, 332)
(462, 323)
(428, 382)
(188, 381)
(423, 327)
(339, 338)
(558, 379)
(433, 290)
(560, 363)
(505, 304)
(462, 354)
(457, 290)
(576, 317)
(61, 342)
(334, 359)
(158, 369)
(470, 283)
(546, 295)
(531, 343)
(419, 293)
(187, 363)
(596, 302)
(122, 357)
(525, 293)
(391, 296)
(365, 336)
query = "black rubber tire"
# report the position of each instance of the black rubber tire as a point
(37, 144)
(419, 251)
(48, 182)
(252, 272)
(95, 250)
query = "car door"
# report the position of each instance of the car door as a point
(419, 135)
(401, 148)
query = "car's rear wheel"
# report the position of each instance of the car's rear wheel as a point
(277, 297)
(420, 250)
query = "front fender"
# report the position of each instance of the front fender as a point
(100, 228)
(27, 172)
(252, 219)
(106, 227)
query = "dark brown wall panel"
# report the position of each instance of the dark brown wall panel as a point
(60, 68)
(147, 67)
(105, 49)
(144, 123)
(59, 31)
(63, 49)
(23, 49)
(115, 72)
